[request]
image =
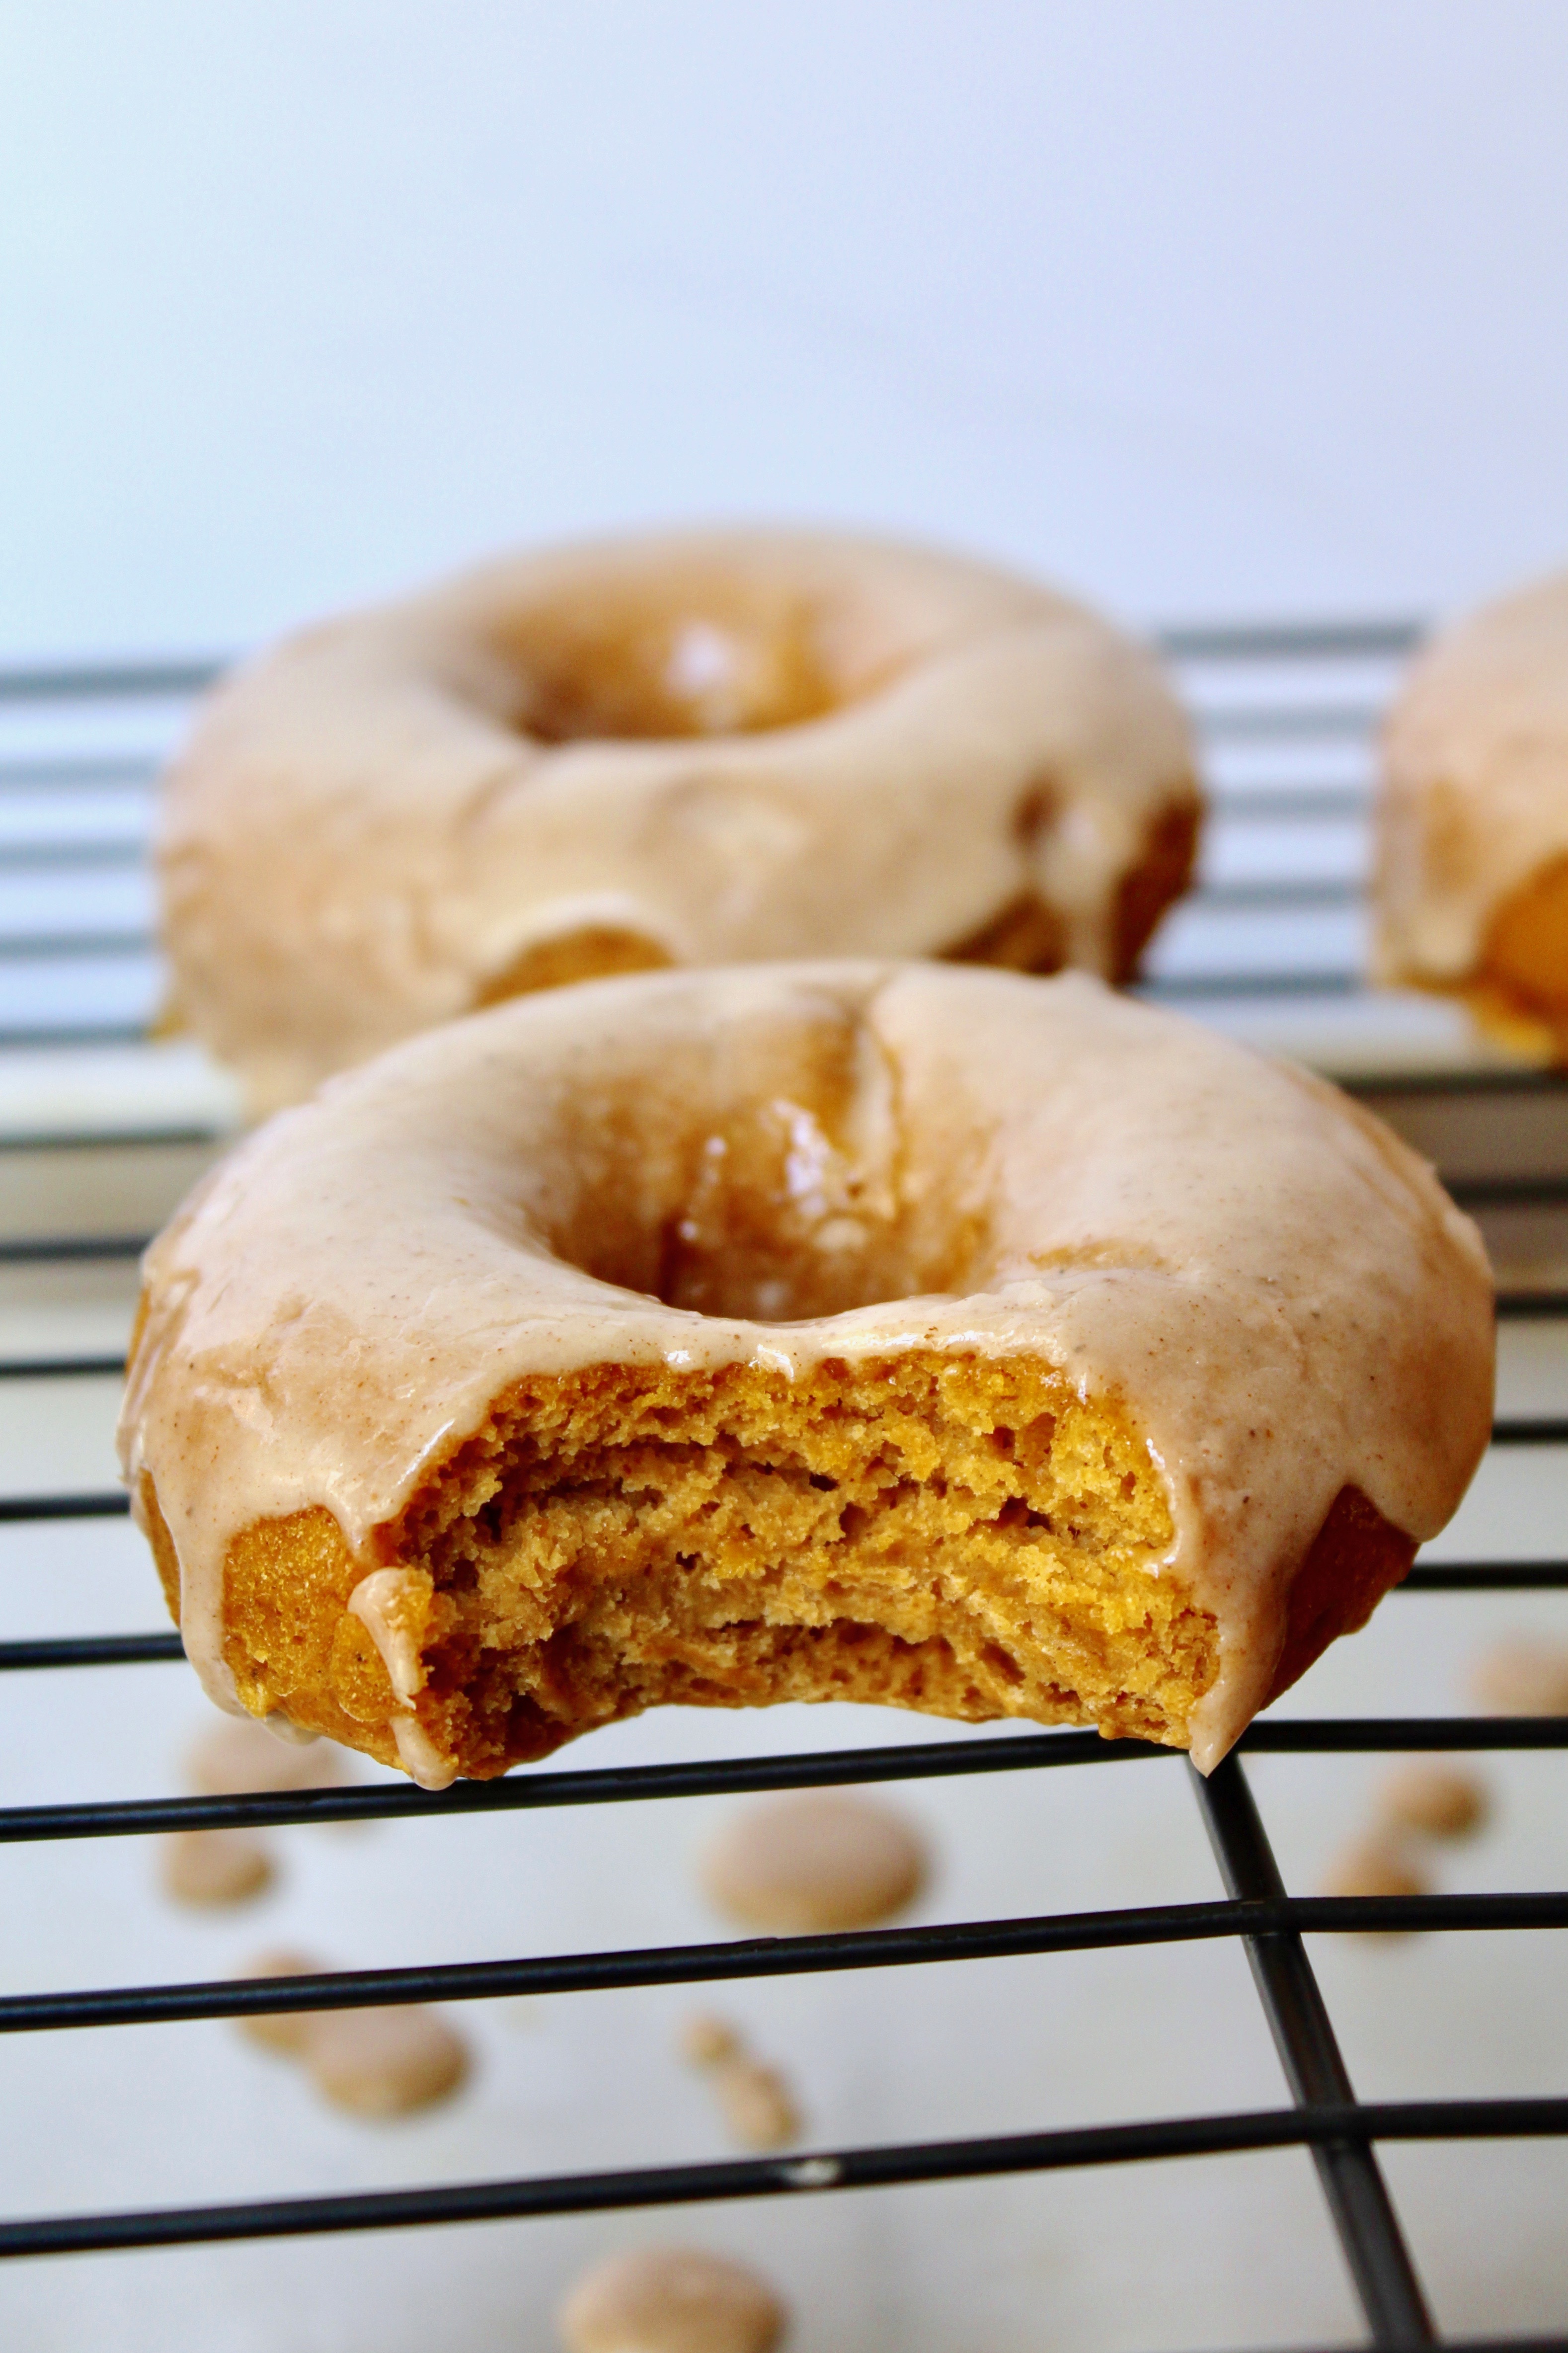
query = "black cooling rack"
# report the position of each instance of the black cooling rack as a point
(1290, 803)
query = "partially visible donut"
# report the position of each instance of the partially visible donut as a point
(942, 1338)
(701, 749)
(1471, 895)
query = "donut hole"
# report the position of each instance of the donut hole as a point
(752, 1267)
(773, 1224)
(768, 1180)
(678, 657)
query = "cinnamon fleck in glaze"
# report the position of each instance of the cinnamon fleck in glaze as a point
(1253, 1312)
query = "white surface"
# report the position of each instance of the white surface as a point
(1207, 308)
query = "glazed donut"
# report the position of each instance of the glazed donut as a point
(1471, 894)
(706, 749)
(980, 1345)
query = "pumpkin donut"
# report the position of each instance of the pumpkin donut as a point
(1471, 894)
(713, 748)
(939, 1337)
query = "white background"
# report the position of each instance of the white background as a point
(1208, 309)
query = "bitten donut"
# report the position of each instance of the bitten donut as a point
(1472, 866)
(707, 749)
(980, 1345)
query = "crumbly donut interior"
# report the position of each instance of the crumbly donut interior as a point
(777, 1172)
(956, 1534)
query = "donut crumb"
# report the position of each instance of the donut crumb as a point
(756, 2105)
(814, 1861)
(214, 1867)
(754, 2100)
(284, 2031)
(385, 2062)
(238, 1756)
(1375, 1865)
(1438, 1799)
(708, 2042)
(670, 2300)
(378, 2062)
(1523, 1678)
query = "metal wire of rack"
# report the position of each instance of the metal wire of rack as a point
(77, 972)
